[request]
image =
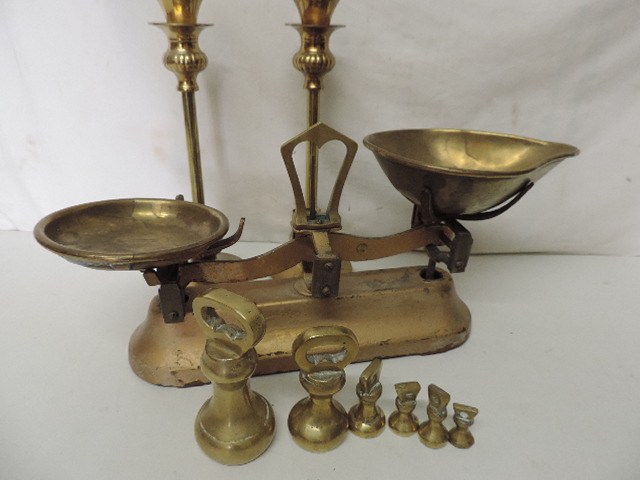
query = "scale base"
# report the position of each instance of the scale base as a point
(393, 312)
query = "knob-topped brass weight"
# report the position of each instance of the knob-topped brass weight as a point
(236, 425)
(463, 416)
(319, 423)
(366, 418)
(403, 421)
(432, 432)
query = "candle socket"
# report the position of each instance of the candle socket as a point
(314, 59)
(183, 12)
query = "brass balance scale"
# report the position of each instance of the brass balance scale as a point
(448, 175)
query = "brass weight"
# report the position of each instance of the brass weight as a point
(236, 425)
(319, 423)
(366, 418)
(403, 421)
(432, 432)
(463, 416)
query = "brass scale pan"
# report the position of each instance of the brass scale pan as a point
(132, 234)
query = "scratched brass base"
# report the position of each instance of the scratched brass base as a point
(167, 353)
(393, 312)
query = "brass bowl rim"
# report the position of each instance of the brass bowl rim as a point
(131, 261)
(564, 150)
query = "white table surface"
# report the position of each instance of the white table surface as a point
(552, 364)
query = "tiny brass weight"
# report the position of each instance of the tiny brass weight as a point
(432, 432)
(366, 418)
(236, 425)
(319, 423)
(463, 416)
(403, 421)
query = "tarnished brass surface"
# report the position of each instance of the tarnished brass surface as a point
(393, 312)
(366, 418)
(301, 249)
(319, 423)
(236, 425)
(167, 354)
(131, 234)
(467, 172)
(463, 416)
(432, 432)
(403, 421)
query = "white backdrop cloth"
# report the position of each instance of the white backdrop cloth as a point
(88, 111)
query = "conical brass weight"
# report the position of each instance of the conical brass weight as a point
(236, 425)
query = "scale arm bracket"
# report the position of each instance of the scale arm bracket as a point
(459, 241)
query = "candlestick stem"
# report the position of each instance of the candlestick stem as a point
(193, 145)
(312, 154)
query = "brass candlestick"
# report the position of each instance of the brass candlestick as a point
(186, 60)
(314, 60)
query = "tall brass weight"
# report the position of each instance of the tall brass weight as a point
(236, 425)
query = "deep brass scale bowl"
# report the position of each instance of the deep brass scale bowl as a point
(449, 175)
(467, 172)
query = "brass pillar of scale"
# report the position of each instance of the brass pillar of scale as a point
(448, 175)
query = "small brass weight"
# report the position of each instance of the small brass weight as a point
(432, 432)
(236, 425)
(403, 421)
(463, 416)
(366, 418)
(319, 423)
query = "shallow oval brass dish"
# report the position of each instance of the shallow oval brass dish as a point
(467, 172)
(131, 234)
